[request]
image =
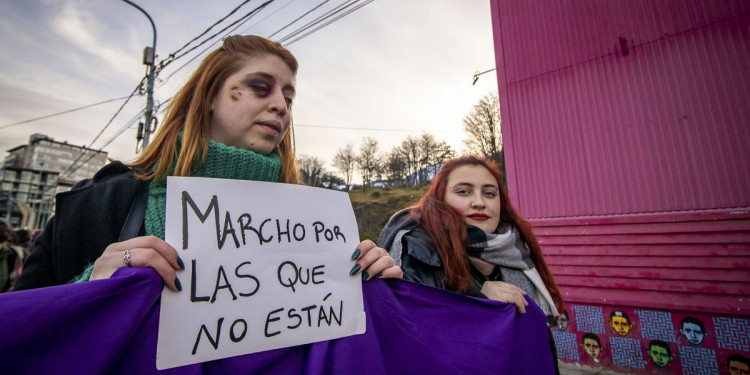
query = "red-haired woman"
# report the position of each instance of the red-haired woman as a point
(465, 236)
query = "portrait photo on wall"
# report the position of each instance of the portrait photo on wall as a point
(620, 323)
(564, 322)
(736, 364)
(593, 350)
(661, 355)
(692, 330)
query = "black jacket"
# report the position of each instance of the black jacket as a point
(419, 259)
(88, 218)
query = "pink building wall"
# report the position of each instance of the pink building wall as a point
(626, 127)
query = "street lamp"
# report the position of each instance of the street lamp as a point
(149, 54)
(477, 74)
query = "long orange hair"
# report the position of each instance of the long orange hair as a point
(447, 228)
(190, 113)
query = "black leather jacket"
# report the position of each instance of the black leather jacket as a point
(88, 218)
(419, 258)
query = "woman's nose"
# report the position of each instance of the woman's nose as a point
(278, 103)
(477, 202)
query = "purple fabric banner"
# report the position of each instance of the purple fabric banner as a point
(110, 327)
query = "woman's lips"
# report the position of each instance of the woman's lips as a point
(271, 127)
(478, 217)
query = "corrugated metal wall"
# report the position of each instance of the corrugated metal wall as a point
(701, 264)
(626, 128)
(625, 107)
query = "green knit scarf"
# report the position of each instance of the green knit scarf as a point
(222, 161)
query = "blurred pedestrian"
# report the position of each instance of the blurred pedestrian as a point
(11, 259)
(23, 238)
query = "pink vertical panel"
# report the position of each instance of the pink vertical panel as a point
(631, 158)
(626, 127)
(658, 123)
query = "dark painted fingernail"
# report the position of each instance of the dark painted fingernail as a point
(365, 275)
(355, 269)
(355, 255)
(379, 275)
(180, 263)
(177, 284)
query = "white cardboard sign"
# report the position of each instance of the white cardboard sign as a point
(266, 267)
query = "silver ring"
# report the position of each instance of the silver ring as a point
(126, 257)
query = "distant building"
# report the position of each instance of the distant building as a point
(45, 154)
(32, 174)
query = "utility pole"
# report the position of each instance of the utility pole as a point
(149, 55)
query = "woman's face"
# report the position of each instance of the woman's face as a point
(473, 191)
(253, 108)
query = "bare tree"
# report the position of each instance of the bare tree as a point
(432, 154)
(412, 156)
(331, 181)
(345, 160)
(483, 128)
(394, 167)
(311, 170)
(368, 160)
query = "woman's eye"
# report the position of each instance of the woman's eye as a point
(490, 194)
(261, 90)
(289, 101)
(462, 191)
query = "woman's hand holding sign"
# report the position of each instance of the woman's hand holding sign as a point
(150, 251)
(145, 251)
(373, 261)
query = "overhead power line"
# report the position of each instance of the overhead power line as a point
(358, 129)
(128, 125)
(243, 32)
(297, 19)
(72, 167)
(329, 22)
(63, 112)
(317, 20)
(331, 13)
(137, 88)
(335, 14)
(119, 132)
(70, 171)
(201, 53)
(171, 59)
(172, 55)
(317, 24)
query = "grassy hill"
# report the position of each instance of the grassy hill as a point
(374, 206)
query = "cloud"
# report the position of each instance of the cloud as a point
(80, 27)
(403, 65)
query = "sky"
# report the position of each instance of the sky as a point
(391, 69)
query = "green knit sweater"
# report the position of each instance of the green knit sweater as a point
(222, 161)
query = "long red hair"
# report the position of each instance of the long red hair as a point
(447, 228)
